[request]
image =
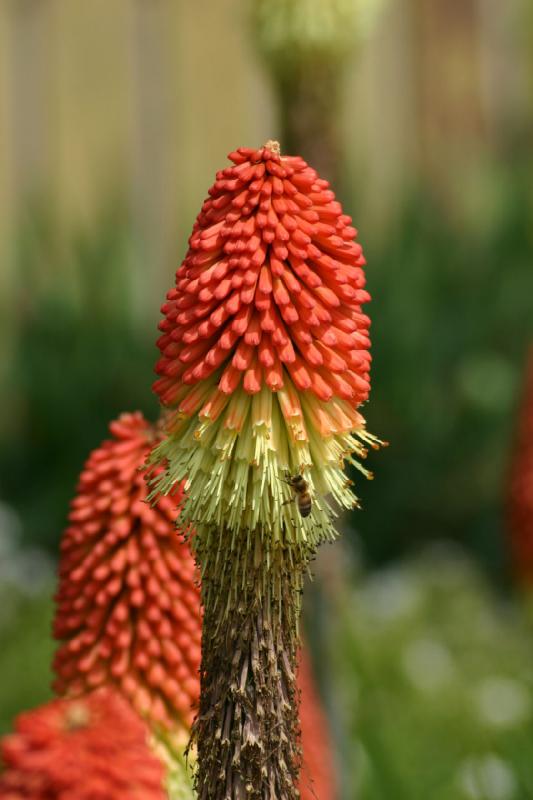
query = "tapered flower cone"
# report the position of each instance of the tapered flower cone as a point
(87, 748)
(264, 357)
(127, 606)
(520, 497)
(114, 481)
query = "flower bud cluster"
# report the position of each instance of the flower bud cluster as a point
(83, 748)
(127, 607)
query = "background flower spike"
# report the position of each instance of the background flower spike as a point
(127, 605)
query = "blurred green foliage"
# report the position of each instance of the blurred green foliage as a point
(79, 358)
(27, 649)
(433, 689)
(451, 323)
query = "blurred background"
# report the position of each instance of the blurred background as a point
(114, 117)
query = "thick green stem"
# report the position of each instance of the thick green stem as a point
(247, 730)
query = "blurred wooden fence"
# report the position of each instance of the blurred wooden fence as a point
(150, 95)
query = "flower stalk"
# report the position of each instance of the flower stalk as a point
(247, 730)
(306, 46)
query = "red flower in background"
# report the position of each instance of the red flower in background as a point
(128, 608)
(90, 748)
(520, 499)
(317, 777)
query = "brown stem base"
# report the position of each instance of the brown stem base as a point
(247, 730)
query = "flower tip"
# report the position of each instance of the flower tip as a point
(273, 146)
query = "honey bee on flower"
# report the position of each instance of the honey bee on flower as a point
(302, 495)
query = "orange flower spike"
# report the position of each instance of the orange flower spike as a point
(127, 591)
(268, 299)
(267, 318)
(83, 748)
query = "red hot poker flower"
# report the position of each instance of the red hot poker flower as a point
(83, 749)
(264, 359)
(127, 605)
(270, 292)
(264, 352)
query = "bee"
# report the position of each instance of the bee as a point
(302, 496)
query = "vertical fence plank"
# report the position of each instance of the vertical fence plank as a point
(155, 144)
(29, 96)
